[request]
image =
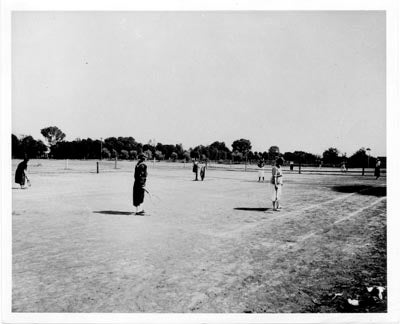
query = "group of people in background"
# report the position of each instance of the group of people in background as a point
(199, 169)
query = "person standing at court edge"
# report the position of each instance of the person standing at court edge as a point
(276, 184)
(291, 165)
(21, 173)
(260, 166)
(139, 186)
(377, 172)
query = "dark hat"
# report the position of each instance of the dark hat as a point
(142, 156)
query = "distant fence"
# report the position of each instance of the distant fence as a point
(97, 166)
(300, 169)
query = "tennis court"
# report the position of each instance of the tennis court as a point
(213, 246)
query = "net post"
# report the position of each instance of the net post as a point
(97, 167)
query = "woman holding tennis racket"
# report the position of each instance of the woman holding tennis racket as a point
(139, 186)
(276, 183)
(20, 173)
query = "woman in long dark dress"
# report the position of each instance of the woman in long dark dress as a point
(196, 170)
(139, 184)
(20, 173)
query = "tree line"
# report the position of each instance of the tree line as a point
(128, 148)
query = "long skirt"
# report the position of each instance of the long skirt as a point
(138, 194)
(20, 177)
(377, 172)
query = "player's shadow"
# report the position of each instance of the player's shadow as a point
(115, 212)
(378, 191)
(261, 209)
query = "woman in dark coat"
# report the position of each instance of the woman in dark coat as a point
(20, 173)
(196, 170)
(139, 184)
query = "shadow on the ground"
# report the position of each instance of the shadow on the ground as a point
(115, 212)
(378, 191)
(252, 209)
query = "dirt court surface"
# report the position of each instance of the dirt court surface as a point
(214, 246)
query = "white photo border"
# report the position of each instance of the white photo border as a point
(393, 169)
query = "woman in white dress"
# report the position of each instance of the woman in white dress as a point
(260, 166)
(276, 184)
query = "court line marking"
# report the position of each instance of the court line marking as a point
(297, 211)
(320, 204)
(351, 215)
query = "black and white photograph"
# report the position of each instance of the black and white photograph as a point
(230, 161)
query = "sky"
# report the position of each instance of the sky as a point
(299, 80)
